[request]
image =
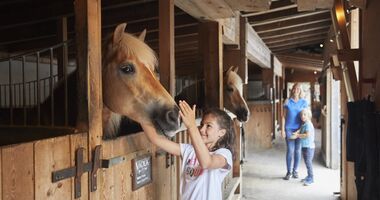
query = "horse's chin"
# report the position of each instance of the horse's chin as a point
(165, 131)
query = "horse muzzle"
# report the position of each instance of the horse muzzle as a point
(167, 120)
(242, 114)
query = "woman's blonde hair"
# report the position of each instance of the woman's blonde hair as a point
(301, 94)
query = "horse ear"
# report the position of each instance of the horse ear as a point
(118, 33)
(229, 69)
(142, 35)
(235, 69)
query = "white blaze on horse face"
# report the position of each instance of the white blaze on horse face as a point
(130, 87)
(234, 95)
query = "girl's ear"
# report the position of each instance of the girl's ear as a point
(222, 132)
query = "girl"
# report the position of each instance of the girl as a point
(208, 160)
(306, 134)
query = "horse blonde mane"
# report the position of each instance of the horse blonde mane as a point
(234, 79)
(138, 49)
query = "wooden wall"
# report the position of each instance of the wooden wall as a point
(26, 170)
(258, 132)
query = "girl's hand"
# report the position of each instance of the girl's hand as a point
(187, 114)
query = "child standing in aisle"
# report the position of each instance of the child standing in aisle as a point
(306, 134)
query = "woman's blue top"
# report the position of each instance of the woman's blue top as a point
(293, 117)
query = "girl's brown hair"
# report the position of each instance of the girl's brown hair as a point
(225, 122)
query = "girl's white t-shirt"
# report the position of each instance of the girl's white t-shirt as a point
(198, 183)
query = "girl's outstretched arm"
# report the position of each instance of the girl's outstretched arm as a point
(206, 160)
(161, 141)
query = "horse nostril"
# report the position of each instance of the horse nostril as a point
(172, 115)
(242, 114)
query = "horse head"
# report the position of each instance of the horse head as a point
(233, 98)
(130, 84)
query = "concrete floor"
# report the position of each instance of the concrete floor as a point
(263, 171)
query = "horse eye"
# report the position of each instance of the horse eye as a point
(230, 89)
(127, 68)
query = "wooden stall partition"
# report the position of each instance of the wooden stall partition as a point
(210, 42)
(18, 173)
(259, 131)
(80, 141)
(117, 179)
(52, 155)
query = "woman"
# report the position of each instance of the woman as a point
(208, 159)
(291, 118)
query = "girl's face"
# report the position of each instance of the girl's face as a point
(210, 130)
(304, 117)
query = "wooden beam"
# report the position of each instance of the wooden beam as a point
(212, 51)
(302, 66)
(243, 70)
(257, 51)
(249, 5)
(282, 49)
(349, 54)
(89, 78)
(293, 17)
(295, 37)
(274, 15)
(305, 31)
(343, 42)
(292, 27)
(270, 11)
(281, 44)
(166, 45)
(306, 5)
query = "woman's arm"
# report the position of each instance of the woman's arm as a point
(285, 112)
(160, 141)
(303, 135)
(206, 160)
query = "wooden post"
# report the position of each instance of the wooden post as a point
(90, 103)
(167, 79)
(166, 45)
(243, 68)
(210, 42)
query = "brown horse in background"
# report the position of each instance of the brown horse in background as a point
(232, 94)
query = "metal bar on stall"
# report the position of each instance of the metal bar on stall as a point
(38, 89)
(65, 85)
(51, 86)
(24, 90)
(10, 92)
(1, 96)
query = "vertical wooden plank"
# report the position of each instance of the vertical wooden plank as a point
(17, 170)
(80, 141)
(243, 67)
(166, 45)
(90, 103)
(212, 51)
(237, 148)
(52, 155)
(107, 186)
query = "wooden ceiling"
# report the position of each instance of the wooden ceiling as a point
(27, 25)
(284, 28)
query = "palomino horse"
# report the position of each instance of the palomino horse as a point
(130, 88)
(232, 94)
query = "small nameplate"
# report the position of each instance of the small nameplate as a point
(141, 171)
